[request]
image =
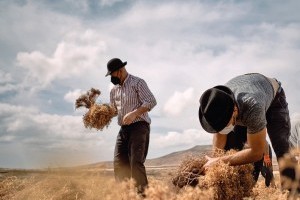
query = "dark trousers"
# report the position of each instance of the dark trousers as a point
(130, 153)
(278, 124)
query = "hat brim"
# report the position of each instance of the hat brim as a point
(205, 125)
(110, 72)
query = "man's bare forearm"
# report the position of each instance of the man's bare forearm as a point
(141, 110)
(242, 157)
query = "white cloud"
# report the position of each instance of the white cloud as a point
(8, 87)
(6, 82)
(295, 116)
(71, 96)
(109, 2)
(20, 119)
(5, 77)
(6, 138)
(7, 109)
(82, 4)
(78, 53)
(180, 48)
(179, 101)
(189, 12)
(54, 135)
(187, 138)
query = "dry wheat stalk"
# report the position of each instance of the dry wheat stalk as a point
(189, 171)
(88, 99)
(99, 115)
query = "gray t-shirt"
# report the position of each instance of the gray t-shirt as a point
(254, 94)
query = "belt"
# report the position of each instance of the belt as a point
(135, 123)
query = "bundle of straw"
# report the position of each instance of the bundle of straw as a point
(98, 115)
(226, 182)
(189, 171)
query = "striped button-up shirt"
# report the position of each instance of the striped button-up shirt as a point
(133, 94)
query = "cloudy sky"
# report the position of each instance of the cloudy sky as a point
(54, 50)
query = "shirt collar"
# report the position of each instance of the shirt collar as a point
(126, 79)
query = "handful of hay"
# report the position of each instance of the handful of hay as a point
(98, 115)
(226, 182)
(189, 172)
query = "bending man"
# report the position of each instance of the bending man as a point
(253, 101)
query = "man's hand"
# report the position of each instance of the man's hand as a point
(267, 161)
(129, 118)
(210, 162)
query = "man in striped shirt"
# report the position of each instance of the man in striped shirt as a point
(133, 100)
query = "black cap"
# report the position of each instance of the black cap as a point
(113, 65)
(216, 108)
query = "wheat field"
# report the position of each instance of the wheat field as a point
(99, 183)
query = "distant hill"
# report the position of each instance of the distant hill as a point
(175, 158)
(171, 159)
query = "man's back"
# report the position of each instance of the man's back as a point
(254, 94)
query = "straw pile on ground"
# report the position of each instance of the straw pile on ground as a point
(99, 115)
(226, 182)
